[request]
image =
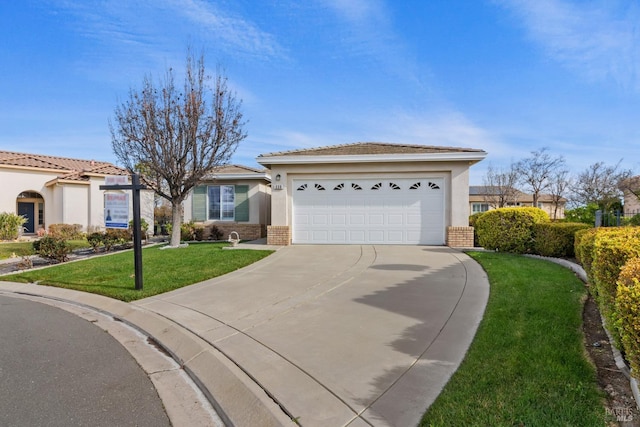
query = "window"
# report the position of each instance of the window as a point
(480, 207)
(221, 203)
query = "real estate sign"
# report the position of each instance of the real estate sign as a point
(116, 210)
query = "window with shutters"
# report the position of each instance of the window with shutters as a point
(221, 203)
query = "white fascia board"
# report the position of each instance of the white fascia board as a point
(374, 158)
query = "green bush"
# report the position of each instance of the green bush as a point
(66, 231)
(52, 247)
(10, 225)
(556, 239)
(612, 248)
(627, 306)
(115, 236)
(188, 231)
(96, 240)
(583, 247)
(509, 229)
(473, 219)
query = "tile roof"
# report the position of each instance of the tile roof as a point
(364, 148)
(67, 168)
(237, 169)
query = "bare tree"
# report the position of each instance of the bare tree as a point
(536, 171)
(600, 184)
(560, 184)
(178, 135)
(500, 186)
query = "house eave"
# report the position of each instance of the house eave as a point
(471, 157)
(238, 176)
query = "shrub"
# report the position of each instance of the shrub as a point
(188, 231)
(612, 248)
(583, 247)
(66, 231)
(509, 229)
(96, 240)
(52, 247)
(473, 219)
(634, 220)
(214, 232)
(10, 225)
(144, 228)
(556, 239)
(628, 312)
(115, 236)
(199, 232)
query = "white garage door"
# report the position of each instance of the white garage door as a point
(369, 211)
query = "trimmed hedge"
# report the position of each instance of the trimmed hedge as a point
(52, 247)
(627, 306)
(556, 239)
(610, 250)
(509, 229)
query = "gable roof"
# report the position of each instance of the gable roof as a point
(67, 169)
(371, 152)
(478, 192)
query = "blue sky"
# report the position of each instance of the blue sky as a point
(506, 76)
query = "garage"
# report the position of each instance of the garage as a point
(371, 193)
(369, 211)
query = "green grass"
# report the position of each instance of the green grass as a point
(163, 270)
(526, 365)
(26, 248)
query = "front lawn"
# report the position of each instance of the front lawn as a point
(526, 365)
(163, 270)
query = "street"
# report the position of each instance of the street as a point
(57, 369)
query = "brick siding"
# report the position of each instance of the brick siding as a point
(245, 231)
(460, 237)
(278, 235)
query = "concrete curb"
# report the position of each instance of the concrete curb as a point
(236, 398)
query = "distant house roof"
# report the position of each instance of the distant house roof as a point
(372, 151)
(67, 169)
(478, 191)
(230, 172)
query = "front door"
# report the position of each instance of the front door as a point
(26, 210)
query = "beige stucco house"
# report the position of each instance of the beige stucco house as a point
(483, 198)
(58, 190)
(371, 193)
(232, 198)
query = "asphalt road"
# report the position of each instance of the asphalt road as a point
(57, 369)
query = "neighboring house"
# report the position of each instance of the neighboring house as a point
(371, 193)
(58, 190)
(232, 198)
(631, 200)
(483, 198)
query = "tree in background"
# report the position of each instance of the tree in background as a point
(536, 172)
(500, 186)
(558, 189)
(599, 184)
(179, 135)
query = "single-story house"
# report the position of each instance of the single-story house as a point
(58, 190)
(371, 193)
(483, 198)
(232, 198)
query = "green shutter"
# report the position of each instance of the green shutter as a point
(242, 203)
(199, 205)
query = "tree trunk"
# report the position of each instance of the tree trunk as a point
(176, 214)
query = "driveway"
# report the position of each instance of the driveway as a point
(340, 335)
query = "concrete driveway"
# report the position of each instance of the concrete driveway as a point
(338, 335)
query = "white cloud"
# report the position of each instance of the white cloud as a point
(596, 39)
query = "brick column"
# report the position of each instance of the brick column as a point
(460, 237)
(279, 235)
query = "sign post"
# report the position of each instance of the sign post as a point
(117, 183)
